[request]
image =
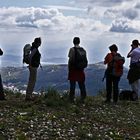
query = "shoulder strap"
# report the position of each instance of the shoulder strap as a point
(113, 56)
(75, 54)
(112, 61)
(33, 51)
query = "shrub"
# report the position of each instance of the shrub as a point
(54, 98)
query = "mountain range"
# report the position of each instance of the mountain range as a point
(56, 76)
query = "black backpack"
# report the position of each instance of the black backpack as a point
(81, 61)
(128, 95)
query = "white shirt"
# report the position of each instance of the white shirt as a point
(135, 55)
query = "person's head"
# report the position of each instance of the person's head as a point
(113, 48)
(37, 41)
(135, 43)
(76, 41)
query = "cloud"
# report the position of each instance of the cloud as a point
(112, 13)
(137, 5)
(96, 12)
(26, 17)
(125, 26)
(56, 26)
(50, 19)
(105, 3)
(111, 8)
(129, 13)
(65, 8)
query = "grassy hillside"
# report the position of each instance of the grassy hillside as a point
(51, 117)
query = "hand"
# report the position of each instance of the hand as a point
(29, 66)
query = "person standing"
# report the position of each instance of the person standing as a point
(134, 71)
(113, 73)
(34, 62)
(2, 96)
(76, 65)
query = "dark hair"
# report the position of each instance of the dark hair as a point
(113, 48)
(36, 43)
(37, 40)
(76, 40)
(135, 42)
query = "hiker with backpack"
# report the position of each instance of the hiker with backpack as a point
(134, 71)
(34, 62)
(76, 64)
(2, 96)
(113, 73)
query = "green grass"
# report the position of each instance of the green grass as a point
(52, 117)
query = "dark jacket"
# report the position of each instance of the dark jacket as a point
(133, 75)
(35, 56)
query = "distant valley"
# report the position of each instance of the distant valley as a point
(56, 76)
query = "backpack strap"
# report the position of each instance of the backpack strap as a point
(109, 69)
(75, 55)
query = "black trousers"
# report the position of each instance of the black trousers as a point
(112, 83)
(1, 90)
(82, 89)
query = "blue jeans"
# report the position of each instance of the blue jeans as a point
(82, 90)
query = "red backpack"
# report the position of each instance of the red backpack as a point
(116, 65)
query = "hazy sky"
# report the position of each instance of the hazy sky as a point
(99, 23)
